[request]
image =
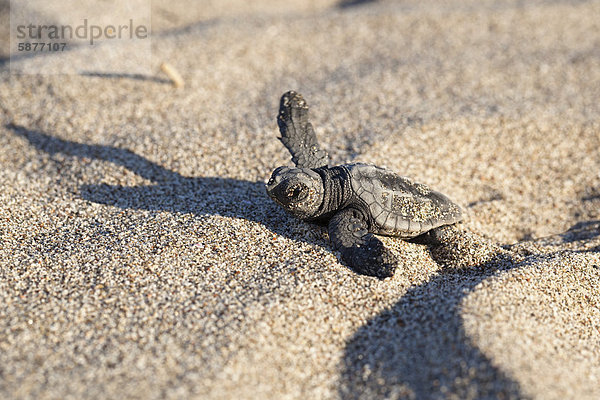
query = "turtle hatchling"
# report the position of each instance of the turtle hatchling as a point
(358, 201)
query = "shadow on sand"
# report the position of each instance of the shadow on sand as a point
(115, 75)
(353, 3)
(170, 190)
(437, 359)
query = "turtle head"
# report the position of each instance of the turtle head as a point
(298, 190)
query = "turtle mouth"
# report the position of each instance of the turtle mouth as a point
(297, 193)
(288, 196)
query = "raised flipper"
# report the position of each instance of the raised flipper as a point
(361, 250)
(297, 134)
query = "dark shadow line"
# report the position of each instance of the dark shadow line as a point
(581, 231)
(123, 157)
(137, 77)
(584, 230)
(353, 3)
(495, 197)
(591, 197)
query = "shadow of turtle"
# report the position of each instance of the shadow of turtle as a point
(418, 348)
(172, 191)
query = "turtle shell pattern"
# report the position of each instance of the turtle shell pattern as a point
(398, 206)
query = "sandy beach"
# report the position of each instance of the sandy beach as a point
(140, 256)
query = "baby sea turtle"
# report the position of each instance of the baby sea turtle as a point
(358, 200)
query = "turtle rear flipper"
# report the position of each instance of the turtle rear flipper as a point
(297, 134)
(361, 250)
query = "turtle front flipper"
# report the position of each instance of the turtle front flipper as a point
(297, 134)
(360, 249)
